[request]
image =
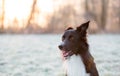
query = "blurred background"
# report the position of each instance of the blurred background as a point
(31, 30)
(53, 16)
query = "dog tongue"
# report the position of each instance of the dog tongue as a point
(65, 54)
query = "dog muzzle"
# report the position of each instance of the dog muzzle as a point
(66, 54)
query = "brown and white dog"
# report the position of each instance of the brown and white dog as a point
(75, 51)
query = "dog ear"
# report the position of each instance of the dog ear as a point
(83, 27)
(69, 28)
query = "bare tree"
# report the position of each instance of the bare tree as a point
(86, 6)
(31, 17)
(61, 19)
(100, 18)
(3, 14)
(104, 14)
(90, 12)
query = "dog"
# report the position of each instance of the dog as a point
(75, 51)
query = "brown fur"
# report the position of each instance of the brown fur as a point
(76, 41)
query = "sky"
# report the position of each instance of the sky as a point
(20, 9)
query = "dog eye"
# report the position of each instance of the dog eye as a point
(63, 38)
(71, 38)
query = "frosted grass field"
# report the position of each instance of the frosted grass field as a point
(38, 55)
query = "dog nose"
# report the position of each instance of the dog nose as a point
(60, 47)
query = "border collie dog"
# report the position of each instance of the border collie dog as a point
(75, 51)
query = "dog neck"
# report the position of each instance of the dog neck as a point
(74, 66)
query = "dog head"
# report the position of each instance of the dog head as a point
(74, 40)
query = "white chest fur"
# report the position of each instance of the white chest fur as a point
(74, 66)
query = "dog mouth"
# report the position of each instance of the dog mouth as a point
(67, 53)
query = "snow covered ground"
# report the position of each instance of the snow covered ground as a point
(38, 55)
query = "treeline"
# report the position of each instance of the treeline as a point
(103, 14)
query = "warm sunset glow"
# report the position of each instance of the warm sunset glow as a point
(20, 10)
(17, 8)
(46, 5)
